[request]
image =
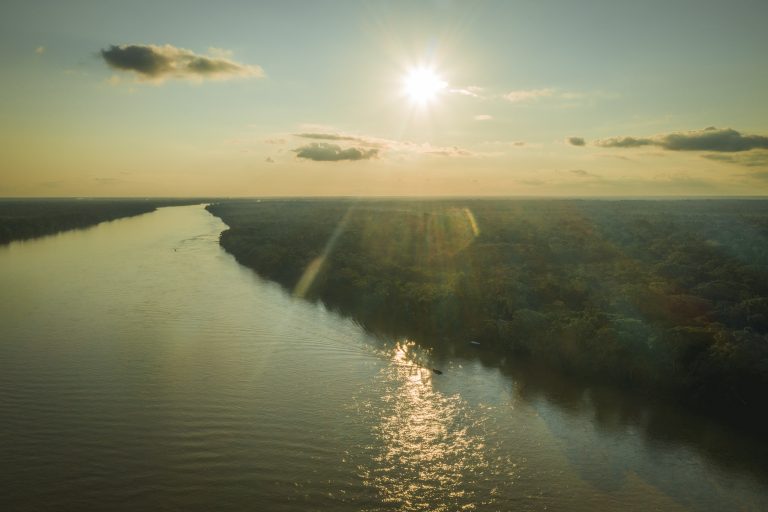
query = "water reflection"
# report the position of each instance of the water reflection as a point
(429, 451)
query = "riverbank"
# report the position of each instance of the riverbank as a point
(662, 297)
(22, 219)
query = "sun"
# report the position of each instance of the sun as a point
(422, 85)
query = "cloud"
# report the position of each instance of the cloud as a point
(409, 148)
(551, 94)
(529, 95)
(326, 152)
(334, 136)
(581, 173)
(496, 148)
(374, 147)
(575, 141)
(269, 160)
(40, 50)
(624, 142)
(472, 91)
(449, 151)
(155, 63)
(483, 117)
(725, 140)
(554, 97)
(761, 175)
(750, 159)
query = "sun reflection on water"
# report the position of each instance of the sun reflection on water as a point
(429, 451)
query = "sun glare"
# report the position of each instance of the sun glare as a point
(422, 85)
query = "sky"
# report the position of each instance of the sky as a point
(362, 98)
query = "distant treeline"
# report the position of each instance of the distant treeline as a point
(29, 218)
(665, 296)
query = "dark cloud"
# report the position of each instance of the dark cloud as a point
(326, 152)
(581, 172)
(575, 141)
(710, 139)
(366, 147)
(625, 142)
(157, 63)
(750, 159)
(713, 139)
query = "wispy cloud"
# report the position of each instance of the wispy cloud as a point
(553, 96)
(483, 117)
(153, 63)
(529, 95)
(725, 140)
(581, 173)
(542, 95)
(502, 147)
(451, 151)
(335, 136)
(760, 175)
(473, 91)
(326, 152)
(749, 159)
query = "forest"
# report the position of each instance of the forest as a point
(22, 219)
(665, 297)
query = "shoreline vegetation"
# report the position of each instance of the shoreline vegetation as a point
(668, 298)
(23, 219)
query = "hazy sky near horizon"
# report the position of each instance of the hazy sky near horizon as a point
(247, 98)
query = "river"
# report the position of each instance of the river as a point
(142, 368)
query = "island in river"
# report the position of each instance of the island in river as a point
(666, 297)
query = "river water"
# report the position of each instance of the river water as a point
(142, 368)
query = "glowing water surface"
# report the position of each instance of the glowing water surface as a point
(141, 368)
